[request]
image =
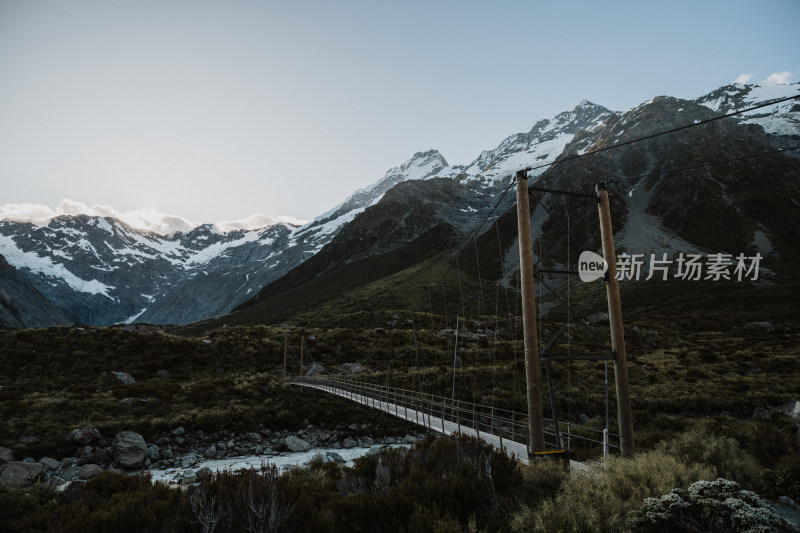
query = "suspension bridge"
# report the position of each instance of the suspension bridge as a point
(504, 430)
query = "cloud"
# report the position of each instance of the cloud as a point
(257, 221)
(743, 78)
(146, 219)
(779, 77)
(26, 213)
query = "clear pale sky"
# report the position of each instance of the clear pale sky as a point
(220, 110)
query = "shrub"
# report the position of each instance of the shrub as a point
(722, 453)
(714, 506)
(598, 500)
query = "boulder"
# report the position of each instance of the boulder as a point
(123, 377)
(28, 440)
(188, 477)
(130, 449)
(89, 471)
(316, 368)
(335, 457)
(791, 409)
(296, 444)
(351, 368)
(6, 455)
(409, 439)
(760, 414)
(83, 436)
(211, 452)
(178, 431)
(322, 458)
(49, 463)
(349, 443)
(154, 452)
(20, 474)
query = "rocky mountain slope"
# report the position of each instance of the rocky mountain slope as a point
(744, 206)
(100, 271)
(21, 305)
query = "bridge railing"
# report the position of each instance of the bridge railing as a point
(449, 415)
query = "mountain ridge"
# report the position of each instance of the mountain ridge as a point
(204, 272)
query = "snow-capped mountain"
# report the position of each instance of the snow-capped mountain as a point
(98, 270)
(780, 119)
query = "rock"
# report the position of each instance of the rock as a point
(188, 477)
(83, 436)
(335, 457)
(766, 326)
(49, 463)
(254, 437)
(162, 374)
(321, 458)
(367, 441)
(123, 377)
(27, 440)
(6, 455)
(297, 445)
(130, 449)
(132, 401)
(178, 431)
(190, 459)
(760, 414)
(788, 502)
(791, 409)
(89, 471)
(20, 474)
(584, 418)
(596, 318)
(154, 452)
(351, 368)
(409, 439)
(167, 454)
(316, 368)
(84, 451)
(99, 456)
(349, 443)
(204, 472)
(211, 452)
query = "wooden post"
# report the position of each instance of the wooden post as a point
(535, 422)
(302, 349)
(624, 414)
(285, 346)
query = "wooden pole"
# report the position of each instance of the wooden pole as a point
(532, 374)
(624, 414)
(285, 347)
(302, 350)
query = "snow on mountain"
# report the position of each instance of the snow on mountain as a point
(99, 270)
(541, 145)
(422, 165)
(780, 119)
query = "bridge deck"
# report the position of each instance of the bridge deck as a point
(514, 449)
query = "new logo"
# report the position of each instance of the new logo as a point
(591, 266)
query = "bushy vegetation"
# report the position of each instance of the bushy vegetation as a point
(437, 485)
(444, 484)
(720, 506)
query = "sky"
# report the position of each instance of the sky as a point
(257, 111)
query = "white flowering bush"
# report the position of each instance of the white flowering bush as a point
(708, 506)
